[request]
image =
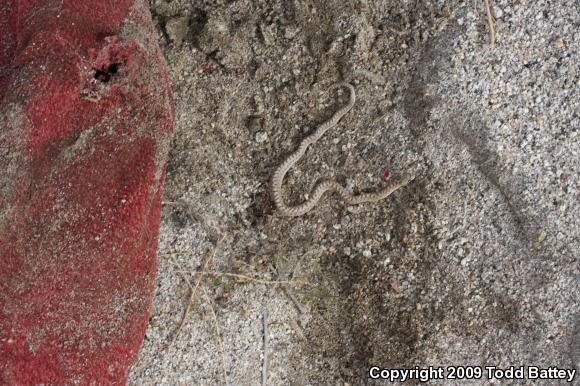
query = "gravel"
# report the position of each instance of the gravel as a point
(474, 263)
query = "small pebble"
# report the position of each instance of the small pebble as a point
(177, 29)
(261, 136)
(349, 184)
(558, 42)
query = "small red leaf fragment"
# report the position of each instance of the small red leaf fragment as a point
(386, 175)
(207, 68)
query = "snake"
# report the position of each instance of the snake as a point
(326, 185)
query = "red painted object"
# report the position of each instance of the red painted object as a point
(85, 119)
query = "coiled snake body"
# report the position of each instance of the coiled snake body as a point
(327, 185)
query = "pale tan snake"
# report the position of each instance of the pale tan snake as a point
(327, 185)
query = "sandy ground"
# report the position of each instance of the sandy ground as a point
(474, 263)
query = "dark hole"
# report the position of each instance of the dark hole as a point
(113, 68)
(104, 74)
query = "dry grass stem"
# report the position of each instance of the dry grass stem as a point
(193, 293)
(254, 280)
(265, 360)
(297, 304)
(260, 281)
(219, 336)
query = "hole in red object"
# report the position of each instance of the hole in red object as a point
(105, 74)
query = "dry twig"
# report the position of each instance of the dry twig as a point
(490, 23)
